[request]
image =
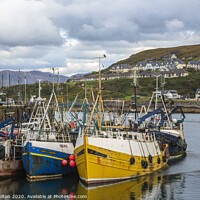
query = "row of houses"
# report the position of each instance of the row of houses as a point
(169, 62)
(195, 64)
(144, 74)
(166, 65)
(170, 67)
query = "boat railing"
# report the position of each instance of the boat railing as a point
(20, 141)
(50, 136)
(122, 134)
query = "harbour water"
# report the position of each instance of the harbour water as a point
(180, 180)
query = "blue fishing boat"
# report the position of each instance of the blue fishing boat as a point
(170, 131)
(166, 131)
(48, 147)
(45, 159)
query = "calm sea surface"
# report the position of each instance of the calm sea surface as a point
(181, 180)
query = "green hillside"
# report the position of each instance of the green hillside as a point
(184, 53)
(117, 88)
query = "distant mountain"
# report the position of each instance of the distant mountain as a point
(18, 77)
(79, 75)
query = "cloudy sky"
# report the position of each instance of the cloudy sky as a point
(69, 34)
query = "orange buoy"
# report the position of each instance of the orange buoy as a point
(64, 191)
(72, 195)
(72, 163)
(72, 157)
(64, 162)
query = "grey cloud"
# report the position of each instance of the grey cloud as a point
(128, 20)
(24, 23)
(68, 33)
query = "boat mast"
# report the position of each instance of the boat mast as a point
(156, 92)
(25, 88)
(100, 93)
(39, 80)
(135, 84)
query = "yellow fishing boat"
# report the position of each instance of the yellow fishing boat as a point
(115, 153)
(115, 157)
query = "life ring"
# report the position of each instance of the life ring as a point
(144, 164)
(132, 160)
(150, 158)
(184, 147)
(158, 160)
(164, 159)
(173, 143)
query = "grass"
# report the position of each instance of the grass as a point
(111, 89)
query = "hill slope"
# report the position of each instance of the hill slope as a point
(187, 52)
(115, 89)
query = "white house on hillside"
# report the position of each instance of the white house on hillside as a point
(121, 68)
(194, 64)
(197, 95)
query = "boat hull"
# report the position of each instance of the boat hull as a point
(99, 161)
(44, 159)
(11, 167)
(177, 145)
(2, 151)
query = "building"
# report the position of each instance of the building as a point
(170, 57)
(173, 73)
(195, 64)
(172, 64)
(147, 74)
(121, 68)
(197, 95)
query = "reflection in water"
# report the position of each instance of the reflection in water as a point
(156, 186)
(147, 187)
(20, 188)
(180, 181)
(53, 187)
(10, 186)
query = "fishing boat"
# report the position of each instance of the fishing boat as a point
(11, 151)
(114, 153)
(171, 132)
(48, 147)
